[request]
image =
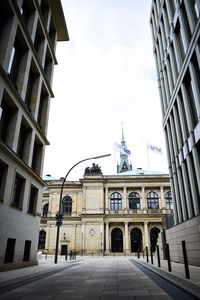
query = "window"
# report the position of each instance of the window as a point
(52, 33)
(3, 175)
(37, 156)
(152, 200)
(33, 200)
(43, 108)
(10, 248)
(18, 191)
(27, 250)
(115, 201)
(7, 120)
(15, 59)
(48, 65)
(27, 10)
(67, 205)
(42, 239)
(45, 210)
(169, 203)
(134, 201)
(39, 41)
(29, 89)
(44, 10)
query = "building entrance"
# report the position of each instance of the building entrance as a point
(117, 240)
(153, 237)
(63, 249)
(136, 240)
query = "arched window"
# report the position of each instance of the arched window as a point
(42, 239)
(169, 203)
(115, 201)
(67, 205)
(134, 201)
(45, 210)
(152, 200)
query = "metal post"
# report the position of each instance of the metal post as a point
(158, 255)
(138, 254)
(168, 258)
(187, 273)
(147, 254)
(151, 249)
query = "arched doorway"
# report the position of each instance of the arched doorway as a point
(153, 237)
(42, 239)
(117, 240)
(136, 240)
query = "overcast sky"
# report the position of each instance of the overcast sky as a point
(105, 76)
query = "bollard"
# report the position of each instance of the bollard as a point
(147, 254)
(158, 255)
(187, 273)
(168, 258)
(151, 249)
(138, 254)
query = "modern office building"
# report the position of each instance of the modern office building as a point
(176, 44)
(29, 31)
(119, 213)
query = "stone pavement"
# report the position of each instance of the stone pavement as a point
(91, 278)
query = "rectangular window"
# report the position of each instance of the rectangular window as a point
(37, 155)
(29, 88)
(43, 107)
(27, 251)
(18, 191)
(10, 249)
(33, 200)
(3, 175)
(21, 141)
(15, 59)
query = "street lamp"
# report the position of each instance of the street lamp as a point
(59, 215)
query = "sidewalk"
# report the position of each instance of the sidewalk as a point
(177, 275)
(44, 266)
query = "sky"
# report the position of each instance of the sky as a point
(105, 76)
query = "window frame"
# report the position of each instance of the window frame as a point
(115, 201)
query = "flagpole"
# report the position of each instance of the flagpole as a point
(148, 157)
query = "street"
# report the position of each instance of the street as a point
(93, 278)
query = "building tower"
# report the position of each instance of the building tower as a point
(176, 34)
(29, 31)
(124, 163)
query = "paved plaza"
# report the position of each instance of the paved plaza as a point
(90, 278)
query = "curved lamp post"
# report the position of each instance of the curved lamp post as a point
(59, 215)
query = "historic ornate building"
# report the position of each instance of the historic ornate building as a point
(29, 31)
(110, 213)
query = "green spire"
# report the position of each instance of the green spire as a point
(124, 163)
(123, 143)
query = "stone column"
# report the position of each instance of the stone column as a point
(101, 243)
(74, 239)
(107, 200)
(162, 199)
(127, 249)
(124, 203)
(83, 236)
(107, 238)
(143, 199)
(146, 235)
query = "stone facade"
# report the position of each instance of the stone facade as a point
(99, 221)
(176, 33)
(29, 32)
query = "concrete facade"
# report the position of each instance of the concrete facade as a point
(29, 31)
(176, 34)
(94, 217)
